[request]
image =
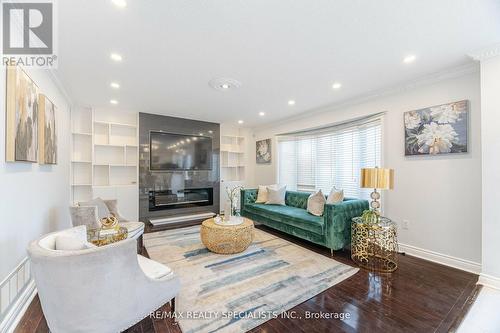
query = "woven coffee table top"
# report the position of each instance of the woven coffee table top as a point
(210, 223)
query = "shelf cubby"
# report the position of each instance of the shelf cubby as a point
(82, 174)
(123, 135)
(108, 154)
(101, 134)
(101, 175)
(123, 175)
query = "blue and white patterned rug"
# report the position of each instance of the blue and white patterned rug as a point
(235, 293)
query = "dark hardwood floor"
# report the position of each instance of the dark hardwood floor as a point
(420, 296)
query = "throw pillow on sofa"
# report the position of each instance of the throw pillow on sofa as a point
(262, 193)
(335, 196)
(276, 196)
(316, 203)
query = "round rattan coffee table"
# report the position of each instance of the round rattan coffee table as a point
(227, 239)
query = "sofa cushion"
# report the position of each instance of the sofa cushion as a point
(316, 203)
(293, 216)
(297, 199)
(335, 196)
(276, 196)
(262, 192)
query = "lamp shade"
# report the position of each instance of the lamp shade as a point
(379, 178)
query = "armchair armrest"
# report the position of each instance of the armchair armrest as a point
(247, 196)
(337, 221)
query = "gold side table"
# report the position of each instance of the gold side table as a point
(374, 246)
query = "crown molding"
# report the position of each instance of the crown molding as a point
(486, 53)
(447, 74)
(58, 83)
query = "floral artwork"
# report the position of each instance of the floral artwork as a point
(263, 151)
(440, 129)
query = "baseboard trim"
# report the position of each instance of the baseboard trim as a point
(18, 308)
(444, 259)
(489, 281)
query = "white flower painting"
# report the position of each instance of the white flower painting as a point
(436, 130)
(263, 151)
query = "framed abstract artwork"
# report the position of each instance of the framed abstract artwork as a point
(263, 151)
(440, 129)
(47, 136)
(21, 117)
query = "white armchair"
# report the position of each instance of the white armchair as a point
(88, 213)
(98, 289)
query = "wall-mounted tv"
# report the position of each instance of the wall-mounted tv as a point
(169, 151)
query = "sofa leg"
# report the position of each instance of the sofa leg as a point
(172, 310)
(331, 252)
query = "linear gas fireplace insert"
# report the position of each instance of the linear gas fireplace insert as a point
(168, 199)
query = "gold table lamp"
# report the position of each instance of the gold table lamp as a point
(377, 178)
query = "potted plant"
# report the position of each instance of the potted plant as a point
(370, 216)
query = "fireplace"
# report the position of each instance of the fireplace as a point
(161, 200)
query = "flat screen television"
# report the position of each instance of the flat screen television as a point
(170, 151)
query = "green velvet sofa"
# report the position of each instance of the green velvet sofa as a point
(332, 230)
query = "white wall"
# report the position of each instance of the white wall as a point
(490, 122)
(439, 195)
(34, 198)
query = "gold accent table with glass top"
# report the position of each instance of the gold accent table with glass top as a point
(99, 238)
(227, 239)
(374, 246)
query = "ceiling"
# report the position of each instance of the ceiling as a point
(278, 49)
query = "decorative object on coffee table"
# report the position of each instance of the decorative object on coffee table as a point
(231, 206)
(377, 178)
(227, 238)
(374, 246)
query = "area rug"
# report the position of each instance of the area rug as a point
(235, 293)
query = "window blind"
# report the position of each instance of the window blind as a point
(331, 156)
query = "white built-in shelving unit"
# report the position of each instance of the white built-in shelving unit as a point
(232, 160)
(105, 158)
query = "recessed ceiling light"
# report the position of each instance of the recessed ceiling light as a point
(336, 85)
(224, 84)
(210, 132)
(113, 101)
(120, 3)
(262, 113)
(240, 122)
(409, 59)
(291, 102)
(115, 85)
(201, 134)
(116, 57)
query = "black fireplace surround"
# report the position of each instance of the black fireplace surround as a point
(177, 193)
